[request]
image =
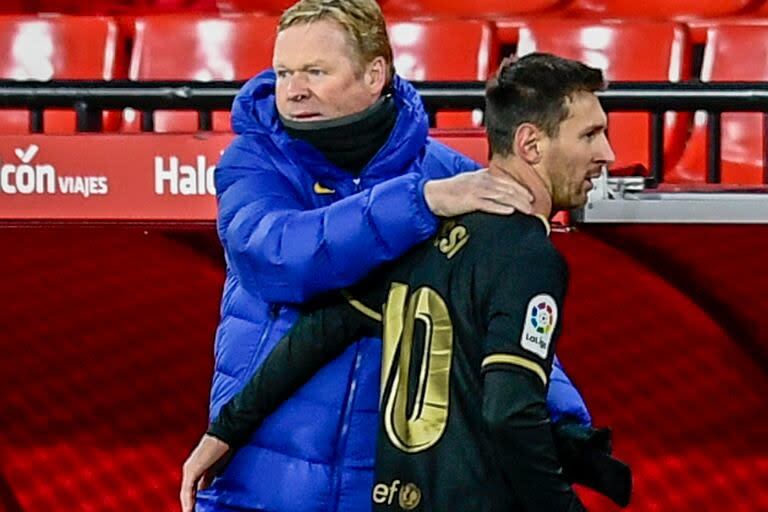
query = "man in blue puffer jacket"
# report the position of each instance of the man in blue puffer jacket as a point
(332, 174)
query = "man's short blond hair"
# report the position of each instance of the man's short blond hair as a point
(362, 20)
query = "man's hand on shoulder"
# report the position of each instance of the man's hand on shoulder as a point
(476, 191)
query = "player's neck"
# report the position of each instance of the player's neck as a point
(529, 178)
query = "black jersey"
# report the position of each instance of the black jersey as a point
(469, 323)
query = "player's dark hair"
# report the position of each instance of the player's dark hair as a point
(533, 89)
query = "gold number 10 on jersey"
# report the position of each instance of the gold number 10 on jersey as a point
(421, 428)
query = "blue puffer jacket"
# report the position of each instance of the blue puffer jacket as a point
(292, 226)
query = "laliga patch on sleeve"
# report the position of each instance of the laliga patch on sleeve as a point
(540, 321)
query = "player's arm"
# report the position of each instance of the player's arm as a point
(316, 339)
(522, 314)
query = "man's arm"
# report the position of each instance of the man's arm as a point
(522, 314)
(288, 253)
(315, 340)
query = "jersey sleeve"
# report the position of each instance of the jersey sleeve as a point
(317, 338)
(522, 311)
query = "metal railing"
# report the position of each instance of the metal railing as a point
(90, 98)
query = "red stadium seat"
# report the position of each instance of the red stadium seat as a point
(270, 6)
(59, 47)
(444, 50)
(734, 51)
(130, 7)
(14, 7)
(621, 50)
(471, 142)
(178, 6)
(758, 10)
(278, 6)
(86, 7)
(60, 6)
(660, 9)
(205, 48)
(467, 9)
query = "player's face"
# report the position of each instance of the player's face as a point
(578, 152)
(318, 76)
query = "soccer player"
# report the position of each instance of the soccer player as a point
(470, 322)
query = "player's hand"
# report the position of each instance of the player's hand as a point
(585, 454)
(477, 191)
(200, 468)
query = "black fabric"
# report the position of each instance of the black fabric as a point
(585, 454)
(349, 142)
(521, 431)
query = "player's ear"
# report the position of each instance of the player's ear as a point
(528, 143)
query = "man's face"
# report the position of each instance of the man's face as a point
(577, 153)
(318, 76)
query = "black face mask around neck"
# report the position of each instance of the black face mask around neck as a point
(349, 142)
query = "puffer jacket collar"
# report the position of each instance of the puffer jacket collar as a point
(254, 112)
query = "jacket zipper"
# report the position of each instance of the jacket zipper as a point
(341, 445)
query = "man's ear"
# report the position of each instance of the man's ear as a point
(376, 75)
(527, 143)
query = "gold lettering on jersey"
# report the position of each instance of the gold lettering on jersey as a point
(452, 238)
(408, 495)
(424, 426)
(392, 331)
